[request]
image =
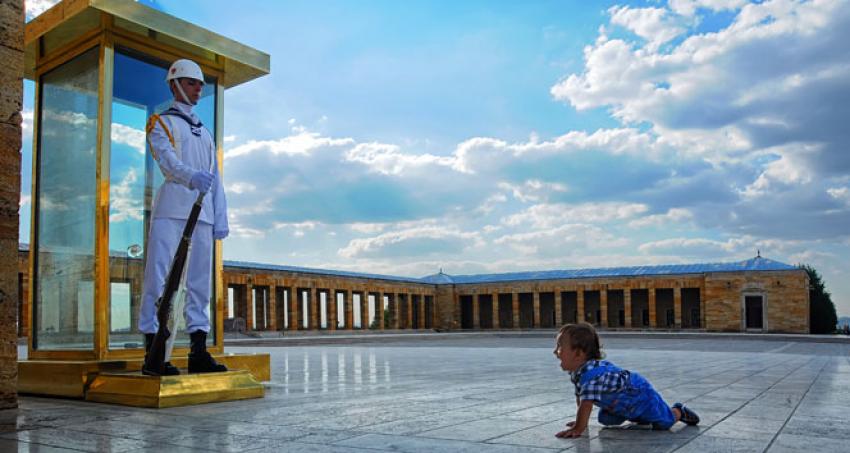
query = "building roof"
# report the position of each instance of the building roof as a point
(311, 270)
(755, 264)
(758, 263)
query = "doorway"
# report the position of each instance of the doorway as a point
(754, 312)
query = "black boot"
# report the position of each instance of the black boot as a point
(200, 361)
(167, 368)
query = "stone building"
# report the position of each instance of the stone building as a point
(756, 295)
(11, 103)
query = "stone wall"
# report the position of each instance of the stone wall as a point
(11, 98)
(785, 295)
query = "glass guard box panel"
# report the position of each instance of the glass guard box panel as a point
(139, 91)
(66, 192)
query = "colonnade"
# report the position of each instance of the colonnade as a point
(676, 306)
(306, 304)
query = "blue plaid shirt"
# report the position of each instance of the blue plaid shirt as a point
(604, 383)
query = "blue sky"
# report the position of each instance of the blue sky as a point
(490, 136)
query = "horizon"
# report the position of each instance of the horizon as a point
(484, 137)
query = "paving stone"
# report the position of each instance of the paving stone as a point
(761, 411)
(10, 446)
(429, 445)
(790, 443)
(76, 440)
(480, 430)
(485, 395)
(739, 427)
(711, 444)
(819, 427)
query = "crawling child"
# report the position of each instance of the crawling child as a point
(621, 395)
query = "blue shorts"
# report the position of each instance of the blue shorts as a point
(654, 411)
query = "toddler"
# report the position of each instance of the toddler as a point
(620, 394)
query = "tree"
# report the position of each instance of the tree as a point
(822, 314)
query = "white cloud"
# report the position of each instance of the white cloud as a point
(299, 229)
(690, 247)
(689, 7)
(841, 194)
(542, 216)
(420, 240)
(656, 25)
(130, 136)
(490, 203)
(124, 202)
(672, 216)
(388, 159)
(26, 124)
(240, 187)
(790, 169)
(34, 8)
(532, 190)
(559, 240)
(303, 142)
(367, 228)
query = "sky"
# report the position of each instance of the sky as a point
(494, 136)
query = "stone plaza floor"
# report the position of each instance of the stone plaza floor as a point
(493, 394)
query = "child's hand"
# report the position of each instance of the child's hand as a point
(574, 431)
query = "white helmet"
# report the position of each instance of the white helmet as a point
(184, 68)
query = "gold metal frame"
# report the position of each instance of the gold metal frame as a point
(233, 63)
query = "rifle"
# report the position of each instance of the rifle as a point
(155, 359)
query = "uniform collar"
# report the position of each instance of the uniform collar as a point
(186, 109)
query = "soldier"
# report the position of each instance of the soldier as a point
(185, 152)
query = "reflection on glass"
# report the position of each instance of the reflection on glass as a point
(119, 315)
(65, 200)
(139, 90)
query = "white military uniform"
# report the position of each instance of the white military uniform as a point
(171, 208)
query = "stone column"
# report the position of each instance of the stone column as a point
(559, 312)
(456, 309)
(294, 308)
(476, 311)
(272, 308)
(379, 309)
(603, 307)
(535, 317)
(331, 309)
(410, 311)
(581, 316)
(677, 306)
(396, 310)
(364, 309)
(348, 307)
(249, 304)
(421, 311)
(653, 320)
(515, 309)
(627, 305)
(11, 103)
(496, 324)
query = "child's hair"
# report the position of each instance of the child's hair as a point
(582, 336)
